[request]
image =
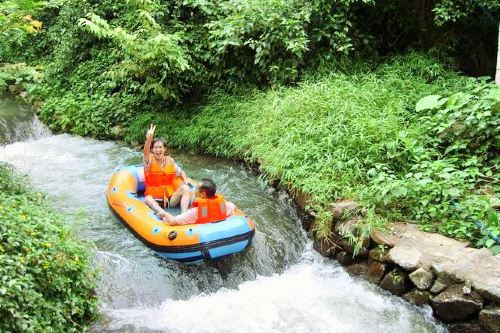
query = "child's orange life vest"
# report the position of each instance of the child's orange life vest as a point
(160, 178)
(210, 210)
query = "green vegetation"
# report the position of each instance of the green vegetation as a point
(316, 92)
(46, 283)
(359, 136)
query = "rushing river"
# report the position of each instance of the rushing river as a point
(279, 284)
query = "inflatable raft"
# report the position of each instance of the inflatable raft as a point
(187, 243)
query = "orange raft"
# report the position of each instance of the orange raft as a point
(186, 243)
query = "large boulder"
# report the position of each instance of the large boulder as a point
(406, 257)
(384, 239)
(452, 305)
(488, 292)
(489, 318)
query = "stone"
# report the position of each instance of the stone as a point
(343, 209)
(438, 286)
(384, 239)
(344, 258)
(465, 327)
(376, 271)
(325, 247)
(422, 278)
(491, 293)
(417, 296)
(359, 269)
(380, 254)
(467, 289)
(343, 244)
(452, 305)
(406, 257)
(344, 227)
(489, 318)
(301, 199)
(15, 89)
(443, 271)
(395, 282)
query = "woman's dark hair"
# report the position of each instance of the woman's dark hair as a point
(155, 140)
(208, 186)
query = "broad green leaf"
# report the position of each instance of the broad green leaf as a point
(429, 102)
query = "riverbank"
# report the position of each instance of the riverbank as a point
(47, 280)
(461, 284)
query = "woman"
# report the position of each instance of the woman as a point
(160, 170)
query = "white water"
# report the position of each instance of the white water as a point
(279, 285)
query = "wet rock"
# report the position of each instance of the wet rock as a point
(438, 286)
(453, 305)
(465, 327)
(406, 257)
(489, 318)
(422, 278)
(358, 269)
(384, 239)
(344, 258)
(376, 271)
(344, 209)
(443, 271)
(344, 245)
(325, 247)
(395, 281)
(15, 89)
(488, 292)
(417, 296)
(302, 199)
(380, 254)
(343, 228)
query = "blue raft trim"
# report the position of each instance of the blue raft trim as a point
(204, 247)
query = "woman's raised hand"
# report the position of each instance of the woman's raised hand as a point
(151, 132)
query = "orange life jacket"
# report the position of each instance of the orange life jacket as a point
(210, 210)
(159, 178)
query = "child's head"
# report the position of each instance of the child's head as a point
(207, 188)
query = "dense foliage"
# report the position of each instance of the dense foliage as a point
(339, 136)
(46, 283)
(348, 132)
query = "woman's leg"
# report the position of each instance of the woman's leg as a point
(181, 196)
(151, 202)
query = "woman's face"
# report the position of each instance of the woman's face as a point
(159, 150)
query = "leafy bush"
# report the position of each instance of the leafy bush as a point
(46, 283)
(322, 137)
(451, 185)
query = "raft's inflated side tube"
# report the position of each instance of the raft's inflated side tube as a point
(186, 243)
